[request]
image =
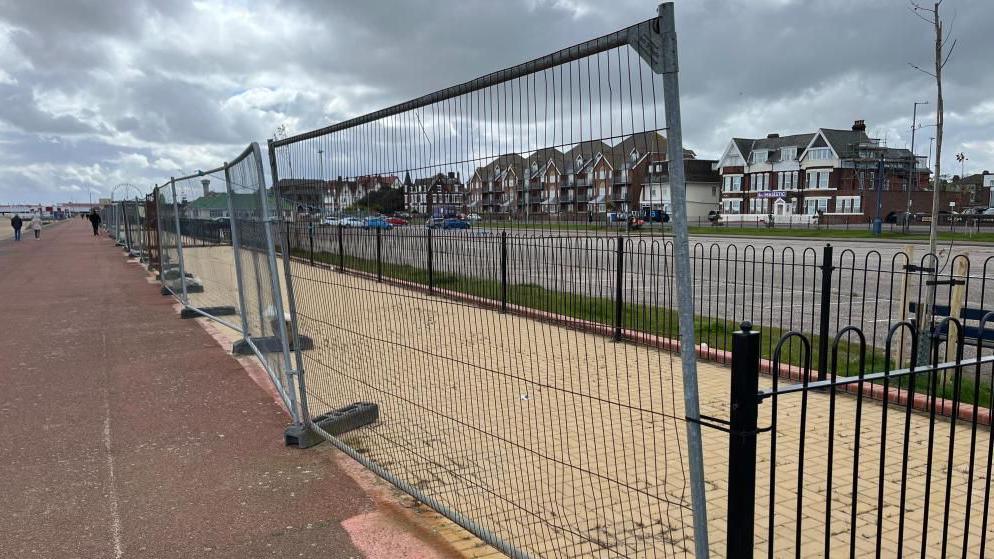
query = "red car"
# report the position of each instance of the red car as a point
(396, 221)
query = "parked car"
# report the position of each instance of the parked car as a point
(989, 211)
(396, 221)
(473, 217)
(351, 222)
(376, 223)
(447, 223)
(330, 220)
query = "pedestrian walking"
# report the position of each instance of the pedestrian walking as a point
(95, 222)
(36, 226)
(16, 223)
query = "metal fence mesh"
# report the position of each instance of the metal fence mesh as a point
(206, 243)
(505, 398)
(264, 311)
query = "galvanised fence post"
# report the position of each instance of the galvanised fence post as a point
(431, 263)
(288, 248)
(341, 249)
(742, 443)
(618, 285)
(310, 240)
(503, 271)
(379, 255)
(825, 311)
(179, 242)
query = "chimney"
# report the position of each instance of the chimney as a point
(207, 186)
(452, 175)
(771, 136)
(859, 126)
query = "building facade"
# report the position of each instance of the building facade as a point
(440, 195)
(590, 178)
(836, 175)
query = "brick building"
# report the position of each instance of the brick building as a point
(590, 178)
(837, 175)
(439, 195)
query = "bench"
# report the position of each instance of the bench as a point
(971, 333)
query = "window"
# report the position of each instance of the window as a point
(787, 180)
(758, 206)
(760, 156)
(759, 181)
(848, 205)
(819, 154)
(814, 205)
(788, 154)
(732, 183)
(817, 179)
(731, 206)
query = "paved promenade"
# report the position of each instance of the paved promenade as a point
(127, 432)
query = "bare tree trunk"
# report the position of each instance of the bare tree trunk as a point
(932, 260)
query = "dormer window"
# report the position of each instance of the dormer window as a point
(534, 166)
(759, 156)
(788, 154)
(579, 161)
(634, 155)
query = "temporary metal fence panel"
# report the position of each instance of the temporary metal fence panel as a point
(215, 243)
(134, 224)
(505, 399)
(205, 236)
(171, 275)
(151, 230)
(265, 313)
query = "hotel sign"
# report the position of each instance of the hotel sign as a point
(771, 194)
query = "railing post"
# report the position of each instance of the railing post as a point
(431, 264)
(310, 240)
(379, 255)
(341, 250)
(503, 271)
(825, 311)
(742, 443)
(618, 285)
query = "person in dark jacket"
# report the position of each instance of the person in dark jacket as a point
(16, 223)
(95, 222)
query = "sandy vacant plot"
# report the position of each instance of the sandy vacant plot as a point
(569, 445)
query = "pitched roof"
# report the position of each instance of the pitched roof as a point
(496, 168)
(844, 142)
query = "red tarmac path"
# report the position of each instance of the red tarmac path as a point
(127, 432)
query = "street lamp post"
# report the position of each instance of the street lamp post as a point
(914, 164)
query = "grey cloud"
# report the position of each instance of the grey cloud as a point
(173, 81)
(19, 108)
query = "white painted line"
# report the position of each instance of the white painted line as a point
(115, 514)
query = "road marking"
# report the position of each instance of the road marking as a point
(115, 515)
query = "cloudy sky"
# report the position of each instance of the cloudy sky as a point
(94, 93)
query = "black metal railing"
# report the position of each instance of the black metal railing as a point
(823, 467)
